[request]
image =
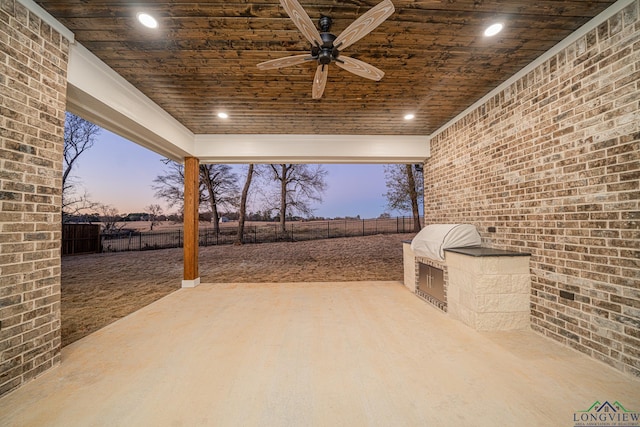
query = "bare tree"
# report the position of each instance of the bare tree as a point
(77, 206)
(170, 185)
(404, 187)
(79, 136)
(243, 205)
(110, 217)
(154, 212)
(300, 184)
(218, 188)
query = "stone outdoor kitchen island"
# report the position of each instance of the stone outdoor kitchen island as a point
(484, 288)
(489, 289)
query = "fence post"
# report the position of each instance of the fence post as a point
(139, 241)
(362, 226)
(328, 233)
(292, 232)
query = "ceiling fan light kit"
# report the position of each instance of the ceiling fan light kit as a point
(326, 47)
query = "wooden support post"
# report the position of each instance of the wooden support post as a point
(191, 204)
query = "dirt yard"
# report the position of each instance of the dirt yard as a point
(99, 289)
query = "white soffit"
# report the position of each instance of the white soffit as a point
(99, 94)
(312, 148)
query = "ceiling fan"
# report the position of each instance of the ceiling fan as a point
(326, 47)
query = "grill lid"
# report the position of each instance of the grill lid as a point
(433, 239)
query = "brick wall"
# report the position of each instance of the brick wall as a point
(553, 162)
(33, 62)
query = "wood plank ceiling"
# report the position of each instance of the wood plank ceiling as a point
(202, 59)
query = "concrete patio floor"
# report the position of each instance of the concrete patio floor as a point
(311, 354)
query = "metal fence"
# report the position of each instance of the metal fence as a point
(262, 233)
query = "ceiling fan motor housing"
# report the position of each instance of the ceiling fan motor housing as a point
(327, 52)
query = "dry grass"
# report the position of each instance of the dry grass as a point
(99, 289)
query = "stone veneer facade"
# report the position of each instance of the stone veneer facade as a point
(489, 293)
(553, 162)
(33, 64)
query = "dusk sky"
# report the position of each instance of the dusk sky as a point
(120, 173)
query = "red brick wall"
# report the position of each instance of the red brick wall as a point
(33, 63)
(553, 162)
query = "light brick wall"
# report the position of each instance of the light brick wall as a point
(33, 63)
(553, 162)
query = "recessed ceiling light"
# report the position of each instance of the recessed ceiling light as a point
(223, 115)
(147, 20)
(409, 116)
(493, 29)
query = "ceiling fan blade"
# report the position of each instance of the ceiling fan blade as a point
(359, 68)
(320, 81)
(302, 21)
(284, 62)
(364, 25)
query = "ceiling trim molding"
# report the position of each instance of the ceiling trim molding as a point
(46, 17)
(84, 105)
(348, 149)
(572, 38)
(111, 102)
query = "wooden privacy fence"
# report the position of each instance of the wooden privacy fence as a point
(80, 239)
